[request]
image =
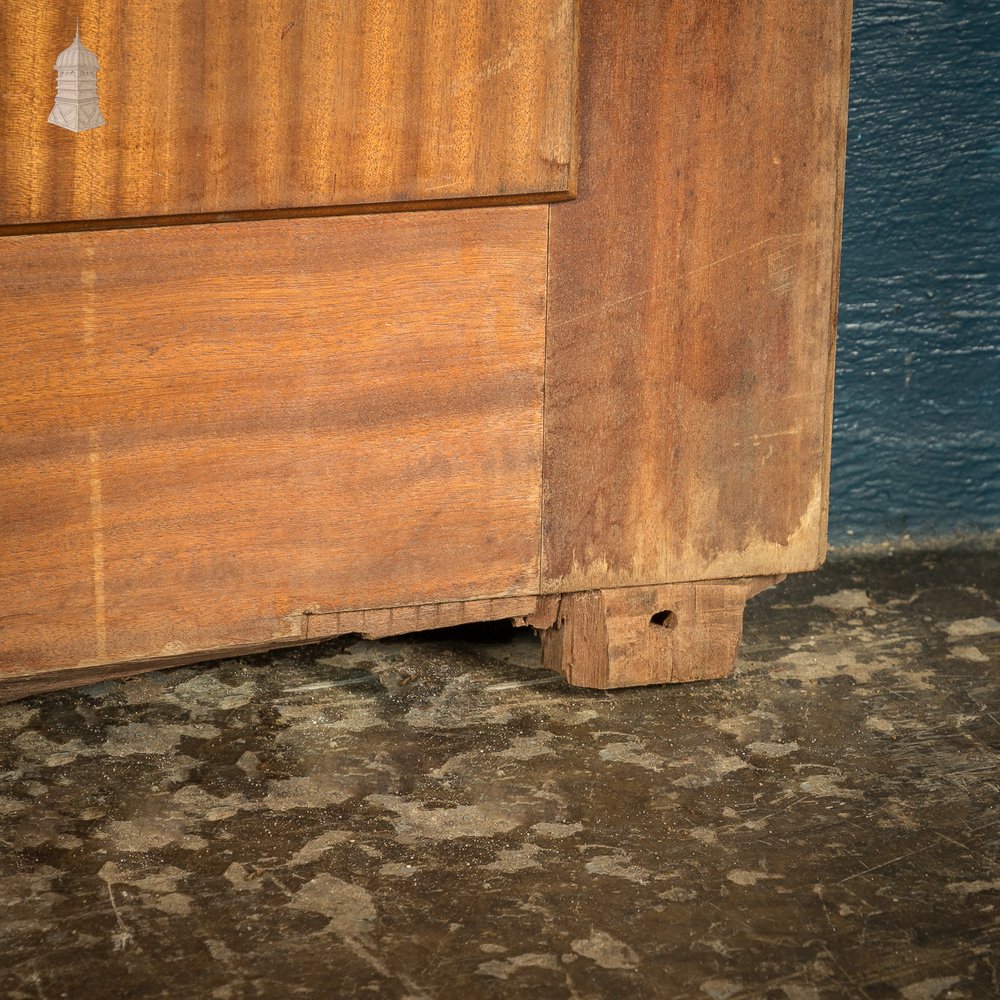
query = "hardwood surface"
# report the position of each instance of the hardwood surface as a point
(692, 295)
(240, 105)
(228, 437)
(210, 431)
(631, 636)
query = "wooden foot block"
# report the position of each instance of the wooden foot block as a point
(646, 635)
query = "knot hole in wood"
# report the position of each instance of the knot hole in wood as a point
(664, 619)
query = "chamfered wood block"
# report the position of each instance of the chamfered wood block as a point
(211, 432)
(692, 295)
(252, 105)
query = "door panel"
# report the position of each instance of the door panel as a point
(253, 105)
(210, 431)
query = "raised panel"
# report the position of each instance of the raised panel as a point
(252, 105)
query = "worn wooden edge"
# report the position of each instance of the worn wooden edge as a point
(381, 622)
(573, 167)
(375, 623)
(727, 569)
(838, 215)
(15, 688)
(322, 211)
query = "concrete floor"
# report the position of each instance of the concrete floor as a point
(439, 817)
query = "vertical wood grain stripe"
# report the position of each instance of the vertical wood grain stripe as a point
(209, 432)
(97, 531)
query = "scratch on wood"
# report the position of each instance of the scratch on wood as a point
(790, 237)
(605, 307)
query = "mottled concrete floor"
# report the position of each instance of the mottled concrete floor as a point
(441, 818)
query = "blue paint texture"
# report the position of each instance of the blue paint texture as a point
(916, 442)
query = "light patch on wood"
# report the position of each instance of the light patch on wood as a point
(88, 281)
(97, 532)
(804, 549)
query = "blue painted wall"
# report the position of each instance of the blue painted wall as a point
(916, 443)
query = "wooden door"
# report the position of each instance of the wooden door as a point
(236, 435)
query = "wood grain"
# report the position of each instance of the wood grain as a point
(631, 636)
(692, 295)
(209, 431)
(251, 105)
